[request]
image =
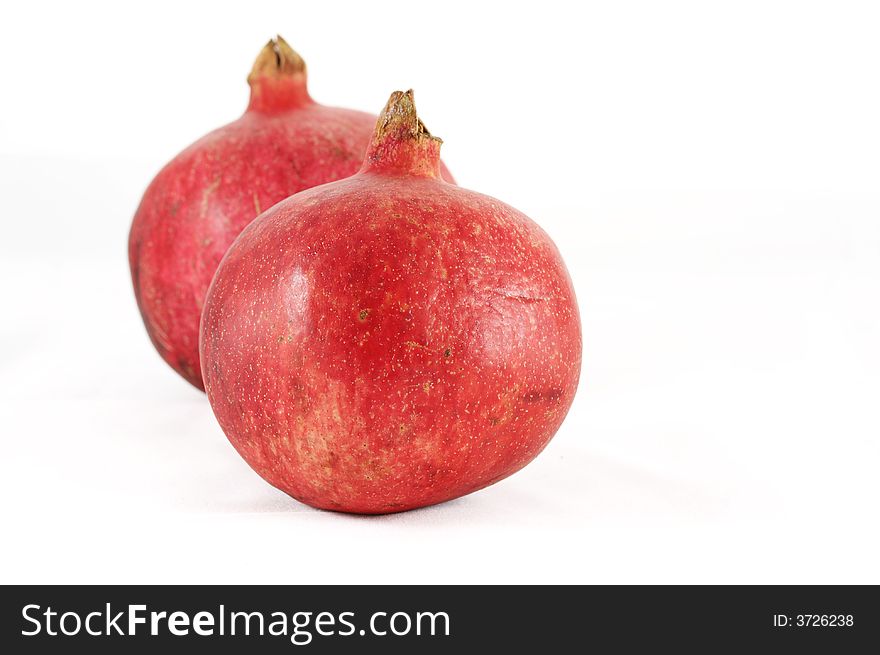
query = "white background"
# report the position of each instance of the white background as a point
(710, 172)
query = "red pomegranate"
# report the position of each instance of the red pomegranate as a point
(390, 341)
(195, 207)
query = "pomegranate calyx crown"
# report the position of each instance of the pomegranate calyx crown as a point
(277, 59)
(401, 141)
(278, 79)
(400, 117)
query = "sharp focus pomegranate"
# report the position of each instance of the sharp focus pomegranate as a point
(195, 207)
(390, 341)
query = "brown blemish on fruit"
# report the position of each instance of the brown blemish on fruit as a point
(548, 395)
(363, 314)
(447, 353)
(416, 344)
(525, 297)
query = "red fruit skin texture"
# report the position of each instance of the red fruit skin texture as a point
(200, 202)
(390, 341)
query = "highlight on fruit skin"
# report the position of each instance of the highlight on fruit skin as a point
(390, 340)
(201, 200)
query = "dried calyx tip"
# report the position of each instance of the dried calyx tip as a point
(400, 115)
(277, 59)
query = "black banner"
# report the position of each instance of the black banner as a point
(445, 619)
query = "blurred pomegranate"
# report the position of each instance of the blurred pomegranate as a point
(195, 207)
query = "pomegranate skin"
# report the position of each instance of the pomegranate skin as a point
(200, 201)
(390, 341)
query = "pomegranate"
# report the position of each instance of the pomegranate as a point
(390, 340)
(195, 207)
